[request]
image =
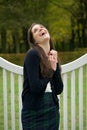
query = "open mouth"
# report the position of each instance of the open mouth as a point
(43, 33)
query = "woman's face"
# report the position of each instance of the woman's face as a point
(40, 33)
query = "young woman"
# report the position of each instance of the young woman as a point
(42, 82)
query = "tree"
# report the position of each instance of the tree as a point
(78, 16)
(18, 15)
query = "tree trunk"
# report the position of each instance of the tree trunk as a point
(16, 42)
(25, 40)
(3, 40)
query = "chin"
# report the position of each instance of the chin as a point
(47, 37)
(43, 39)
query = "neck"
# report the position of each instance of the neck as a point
(45, 46)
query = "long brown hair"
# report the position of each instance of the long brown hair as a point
(46, 70)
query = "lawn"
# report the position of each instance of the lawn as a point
(61, 101)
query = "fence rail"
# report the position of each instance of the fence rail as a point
(73, 100)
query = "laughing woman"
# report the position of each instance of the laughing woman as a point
(42, 82)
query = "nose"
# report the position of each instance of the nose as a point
(40, 29)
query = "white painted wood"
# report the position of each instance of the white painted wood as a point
(73, 100)
(5, 100)
(65, 68)
(69, 67)
(10, 66)
(12, 102)
(86, 97)
(74, 64)
(20, 84)
(65, 114)
(81, 98)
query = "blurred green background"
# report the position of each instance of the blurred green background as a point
(66, 21)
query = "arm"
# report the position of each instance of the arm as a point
(57, 80)
(32, 67)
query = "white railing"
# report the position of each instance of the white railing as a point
(73, 100)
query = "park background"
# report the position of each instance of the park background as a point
(66, 21)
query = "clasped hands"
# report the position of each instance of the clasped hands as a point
(52, 57)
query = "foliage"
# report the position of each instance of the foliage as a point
(65, 57)
(66, 21)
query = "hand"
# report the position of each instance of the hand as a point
(52, 56)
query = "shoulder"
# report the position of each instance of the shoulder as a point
(32, 54)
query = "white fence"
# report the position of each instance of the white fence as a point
(73, 100)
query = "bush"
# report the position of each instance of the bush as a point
(17, 59)
(65, 57)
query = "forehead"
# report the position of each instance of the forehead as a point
(36, 26)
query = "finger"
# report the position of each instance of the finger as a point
(53, 53)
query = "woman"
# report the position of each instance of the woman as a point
(42, 82)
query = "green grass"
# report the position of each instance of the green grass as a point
(61, 101)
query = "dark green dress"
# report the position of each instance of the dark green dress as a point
(45, 118)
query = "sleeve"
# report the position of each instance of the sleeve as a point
(57, 81)
(36, 83)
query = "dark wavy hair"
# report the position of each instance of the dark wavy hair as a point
(45, 66)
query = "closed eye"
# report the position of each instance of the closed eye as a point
(35, 30)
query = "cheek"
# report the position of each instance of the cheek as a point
(36, 38)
